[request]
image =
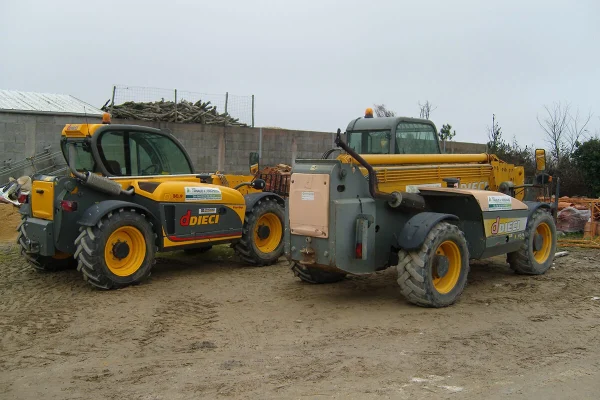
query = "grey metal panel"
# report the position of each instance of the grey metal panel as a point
(47, 103)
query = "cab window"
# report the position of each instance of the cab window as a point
(416, 138)
(130, 153)
(370, 142)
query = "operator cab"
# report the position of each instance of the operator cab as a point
(392, 135)
(125, 150)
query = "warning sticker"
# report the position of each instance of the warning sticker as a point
(415, 188)
(308, 195)
(496, 203)
(202, 193)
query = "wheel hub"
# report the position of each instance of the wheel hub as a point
(538, 242)
(263, 232)
(120, 250)
(441, 265)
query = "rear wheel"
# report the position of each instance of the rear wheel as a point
(537, 252)
(118, 251)
(262, 236)
(436, 274)
(57, 262)
(316, 275)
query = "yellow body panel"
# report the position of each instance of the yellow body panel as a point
(42, 199)
(405, 172)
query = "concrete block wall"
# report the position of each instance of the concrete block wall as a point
(211, 147)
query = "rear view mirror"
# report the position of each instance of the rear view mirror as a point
(254, 162)
(540, 159)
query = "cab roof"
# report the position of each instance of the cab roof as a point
(88, 130)
(382, 123)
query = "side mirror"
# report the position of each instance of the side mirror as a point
(258, 184)
(254, 162)
(540, 159)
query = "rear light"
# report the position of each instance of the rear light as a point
(68, 205)
(359, 250)
(362, 235)
(23, 198)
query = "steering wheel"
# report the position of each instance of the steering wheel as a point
(152, 169)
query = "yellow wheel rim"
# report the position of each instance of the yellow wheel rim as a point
(445, 284)
(543, 253)
(125, 251)
(268, 231)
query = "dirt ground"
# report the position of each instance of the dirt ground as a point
(208, 327)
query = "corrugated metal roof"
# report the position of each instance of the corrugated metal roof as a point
(44, 103)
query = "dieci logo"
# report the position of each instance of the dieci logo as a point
(508, 226)
(189, 220)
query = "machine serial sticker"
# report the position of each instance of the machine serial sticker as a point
(496, 203)
(308, 195)
(202, 193)
(208, 211)
(415, 188)
(504, 226)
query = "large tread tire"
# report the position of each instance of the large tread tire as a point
(316, 275)
(91, 244)
(523, 261)
(415, 268)
(38, 262)
(246, 248)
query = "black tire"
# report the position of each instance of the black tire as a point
(417, 268)
(246, 248)
(316, 275)
(524, 260)
(38, 262)
(92, 241)
(197, 250)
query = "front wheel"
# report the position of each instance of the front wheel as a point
(262, 235)
(537, 252)
(435, 275)
(118, 251)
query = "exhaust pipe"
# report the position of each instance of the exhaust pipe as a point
(394, 199)
(97, 182)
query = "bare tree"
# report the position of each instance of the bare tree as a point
(555, 125)
(494, 135)
(382, 111)
(426, 109)
(576, 130)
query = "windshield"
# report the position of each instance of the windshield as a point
(83, 155)
(370, 142)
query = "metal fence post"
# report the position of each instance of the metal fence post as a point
(259, 142)
(253, 111)
(112, 103)
(175, 105)
(226, 101)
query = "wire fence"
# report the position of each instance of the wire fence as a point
(239, 107)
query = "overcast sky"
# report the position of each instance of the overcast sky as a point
(314, 65)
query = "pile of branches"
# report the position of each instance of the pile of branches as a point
(186, 112)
